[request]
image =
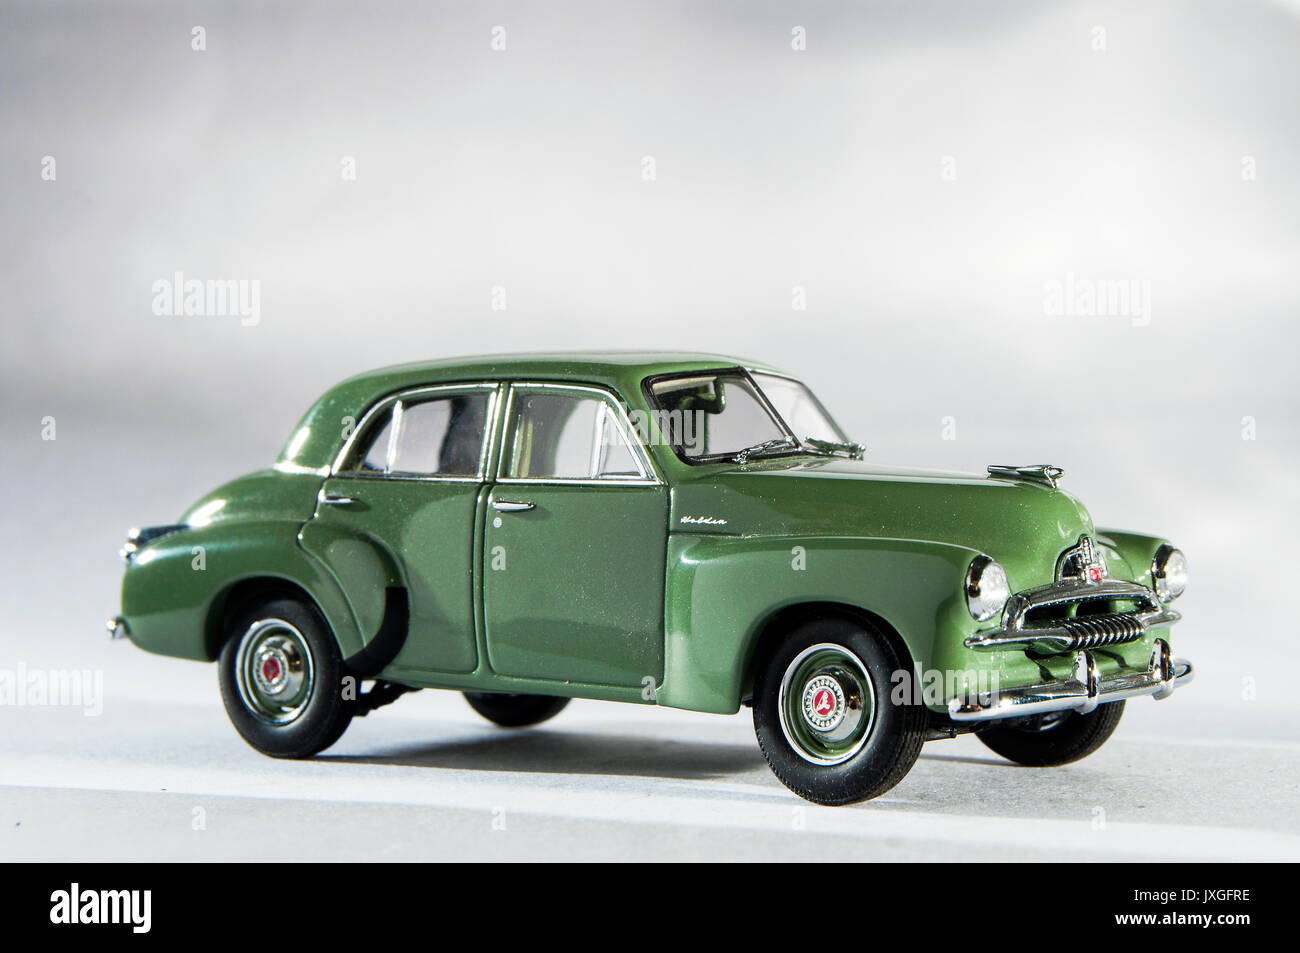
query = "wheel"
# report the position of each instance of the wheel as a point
(282, 679)
(515, 711)
(1044, 741)
(826, 718)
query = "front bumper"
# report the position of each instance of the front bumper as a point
(1082, 692)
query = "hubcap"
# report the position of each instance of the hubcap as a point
(274, 671)
(827, 704)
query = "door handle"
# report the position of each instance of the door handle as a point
(510, 506)
(337, 500)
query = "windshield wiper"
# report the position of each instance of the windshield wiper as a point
(767, 446)
(853, 451)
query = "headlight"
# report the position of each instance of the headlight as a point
(1169, 570)
(986, 588)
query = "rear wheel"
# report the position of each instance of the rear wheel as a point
(282, 679)
(826, 717)
(1044, 741)
(515, 711)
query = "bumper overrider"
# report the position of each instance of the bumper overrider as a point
(1085, 689)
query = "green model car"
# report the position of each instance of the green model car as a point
(691, 531)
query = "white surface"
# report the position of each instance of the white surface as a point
(426, 778)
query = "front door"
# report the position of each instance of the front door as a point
(574, 547)
(398, 510)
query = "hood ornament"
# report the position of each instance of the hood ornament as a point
(1038, 473)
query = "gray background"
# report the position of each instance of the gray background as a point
(775, 168)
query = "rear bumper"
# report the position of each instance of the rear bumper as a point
(1082, 692)
(116, 627)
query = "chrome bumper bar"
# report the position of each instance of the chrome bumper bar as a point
(1082, 632)
(1082, 692)
(116, 626)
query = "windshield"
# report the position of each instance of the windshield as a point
(736, 415)
(802, 412)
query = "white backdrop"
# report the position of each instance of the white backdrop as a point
(670, 176)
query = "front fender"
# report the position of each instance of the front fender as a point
(172, 587)
(721, 591)
(1135, 551)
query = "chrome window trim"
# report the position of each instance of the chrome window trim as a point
(649, 475)
(389, 403)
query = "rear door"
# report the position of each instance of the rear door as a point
(398, 509)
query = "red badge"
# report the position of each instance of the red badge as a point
(823, 703)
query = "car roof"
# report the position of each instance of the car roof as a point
(317, 437)
(594, 365)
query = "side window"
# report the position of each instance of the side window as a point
(434, 436)
(567, 435)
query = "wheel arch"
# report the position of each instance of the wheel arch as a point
(769, 630)
(238, 594)
(726, 595)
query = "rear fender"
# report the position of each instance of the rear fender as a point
(175, 589)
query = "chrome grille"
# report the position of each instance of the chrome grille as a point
(1092, 631)
(1048, 619)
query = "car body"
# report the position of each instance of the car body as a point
(652, 529)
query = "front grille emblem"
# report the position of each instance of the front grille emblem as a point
(1083, 563)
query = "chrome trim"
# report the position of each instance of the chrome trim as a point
(645, 466)
(1036, 473)
(1087, 554)
(387, 403)
(844, 728)
(294, 667)
(971, 587)
(335, 500)
(1082, 632)
(511, 506)
(117, 628)
(1159, 563)
(1082, 692)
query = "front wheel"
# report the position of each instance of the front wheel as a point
(515, 711)
(826, 717)
(1045, 741)
(282, 679)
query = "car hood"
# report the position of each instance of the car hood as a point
(1023, 525)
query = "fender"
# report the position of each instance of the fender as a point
(722, 590)
(172, 587)
(1135, 551)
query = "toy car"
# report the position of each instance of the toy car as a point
(691, 531)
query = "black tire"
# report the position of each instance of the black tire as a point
(1044, 742)
(888, 739)
(515, 711)
(327, 702)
